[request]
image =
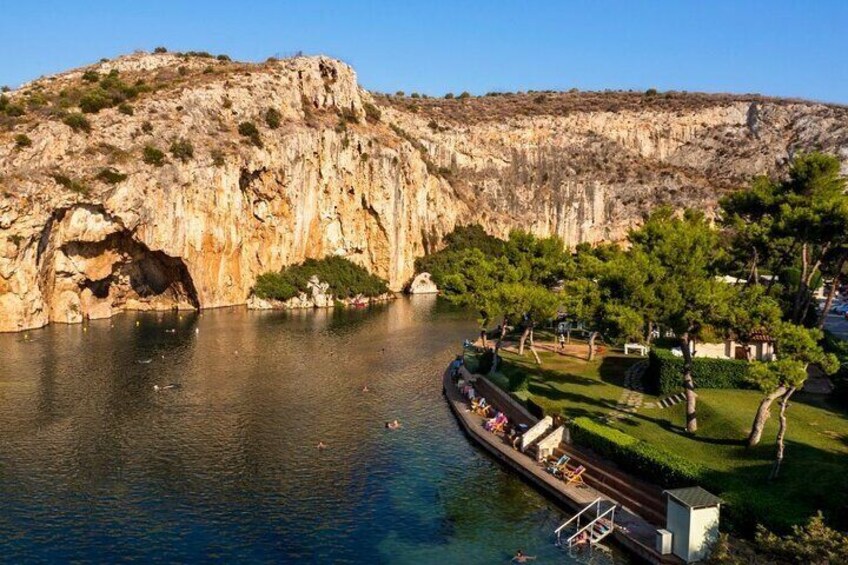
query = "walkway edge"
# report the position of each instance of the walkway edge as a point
(547, 485)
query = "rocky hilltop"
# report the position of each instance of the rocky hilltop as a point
(164, 180)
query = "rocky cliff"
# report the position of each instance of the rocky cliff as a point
(93, 220)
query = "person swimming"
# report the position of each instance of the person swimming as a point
(521, 558)
(171, 386)
(322, 445)
(365, 388)
(393, 425)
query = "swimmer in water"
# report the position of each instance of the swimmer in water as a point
(393, 425)
(521, 558)
(322, 445)
(365, 388)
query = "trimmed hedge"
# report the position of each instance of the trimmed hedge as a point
(634, 455)
(665, 372)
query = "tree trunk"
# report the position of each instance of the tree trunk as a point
(754, 276)
(650, 336)
(832, 293)
(483, 337)
(592, 337)
(689, 385)
(781, 433)
(524, 335)
(568, 334)
(763, 413)
(782, 263)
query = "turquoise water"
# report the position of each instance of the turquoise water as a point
(97, 466)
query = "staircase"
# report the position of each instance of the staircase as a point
(670, 401)
(590, 525)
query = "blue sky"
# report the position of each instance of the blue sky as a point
(776, 47)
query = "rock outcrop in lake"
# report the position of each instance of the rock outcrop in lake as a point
(158, 181)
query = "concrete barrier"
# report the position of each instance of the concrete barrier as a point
(547, 445)
(537, 431)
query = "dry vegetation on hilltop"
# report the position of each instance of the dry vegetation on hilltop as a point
(497, 106)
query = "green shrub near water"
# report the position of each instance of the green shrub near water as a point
(633, 455)
(665, 372)
(345, 280)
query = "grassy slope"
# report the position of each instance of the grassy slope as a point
(815, 473)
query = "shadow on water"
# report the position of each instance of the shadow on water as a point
(96, 465)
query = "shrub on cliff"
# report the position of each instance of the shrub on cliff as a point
(77, 122)
(22, 140)
(272, 118)
(250, 131)
(372, 113)
(152, 156)
(182, 149)
(73, 185)
(110, 176)
(345, 280)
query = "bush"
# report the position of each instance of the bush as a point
(349, 116)
(449, 96)
(487, 360)
(77, 122)
(249, 130)
(223, 57)
(636, 456)
(665, 372)
(272, 118)
(217, 157)
(94, 101)
(22, 140)
(71, 184)
(345, 280)
(147, 127)
(91, 76)
(651, 92)
(14, 110)
(182, 149)
(160, 50)
(372, 113)
(126, 109)
(152, 156)
(111, 176)
(464, 95)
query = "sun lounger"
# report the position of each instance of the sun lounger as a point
(573, 476)
(556, 468)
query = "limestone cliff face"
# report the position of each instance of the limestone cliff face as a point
(197, 230)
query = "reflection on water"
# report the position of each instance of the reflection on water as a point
(96, 465)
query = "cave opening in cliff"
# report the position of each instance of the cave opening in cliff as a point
(124, 273)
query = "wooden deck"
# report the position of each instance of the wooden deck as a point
(632, 532)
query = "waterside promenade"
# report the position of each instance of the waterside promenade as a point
(633, 531)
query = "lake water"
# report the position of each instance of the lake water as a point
(97, 466)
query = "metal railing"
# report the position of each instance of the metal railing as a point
(588, 530)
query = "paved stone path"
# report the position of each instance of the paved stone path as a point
(633, 396)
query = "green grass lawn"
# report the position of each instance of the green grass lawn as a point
(815, 471)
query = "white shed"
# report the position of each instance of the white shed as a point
(692, 516)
